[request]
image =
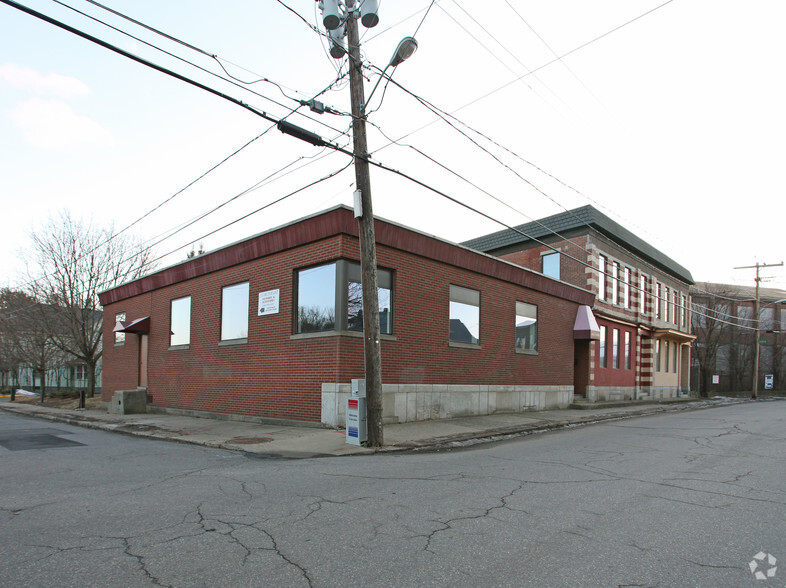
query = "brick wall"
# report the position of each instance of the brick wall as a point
(278, 376)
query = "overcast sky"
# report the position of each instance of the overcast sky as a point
(667, 117)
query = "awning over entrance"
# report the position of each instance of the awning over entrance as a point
(586, 327)
(678, 336)
(140, 325)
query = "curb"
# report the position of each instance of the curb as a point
(455, 441)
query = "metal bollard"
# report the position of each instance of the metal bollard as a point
(82, 399)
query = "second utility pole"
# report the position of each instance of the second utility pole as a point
(368, 247)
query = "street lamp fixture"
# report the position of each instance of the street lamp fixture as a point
(406, 47)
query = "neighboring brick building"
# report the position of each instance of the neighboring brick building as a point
(642, 304)
(269, 327)
(724, 323)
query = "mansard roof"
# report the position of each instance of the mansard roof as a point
(586, 217)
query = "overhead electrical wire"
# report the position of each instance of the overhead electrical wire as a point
(157, 67)
(443, 115)
(264, 115)
(218, 59)
(554, 53)
(232, 81)
(213, 168)
(256, 111)
(260, 209)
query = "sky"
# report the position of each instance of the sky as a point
(668, 116)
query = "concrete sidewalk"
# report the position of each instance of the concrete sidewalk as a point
(299, 441)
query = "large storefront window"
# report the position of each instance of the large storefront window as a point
(330, 298)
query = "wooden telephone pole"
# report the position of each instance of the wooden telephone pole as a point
(368, 247)
(757, 344)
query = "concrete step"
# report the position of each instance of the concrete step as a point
(583, 404)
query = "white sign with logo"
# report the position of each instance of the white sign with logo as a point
(268, 302)
(769, 381)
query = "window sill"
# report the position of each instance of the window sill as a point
(230, 342)
(527, 351)
(465, 345)
(179, 347)
(322, 334)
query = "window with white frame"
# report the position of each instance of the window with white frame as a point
(80, 373)
(234, 312)
(626, 287)
(666, 356)
(666, 303)
(615, 349)
(464, 315)
(643, 294)
(526, 326)
(615, 268)
(657, 355)
(684, 313)
(627, 350)
(658, 289)
(601, 278)
(602, 347)
(675, 314)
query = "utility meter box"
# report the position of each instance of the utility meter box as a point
(359, 388)
(357, 425)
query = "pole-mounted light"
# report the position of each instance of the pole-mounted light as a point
(406, 47)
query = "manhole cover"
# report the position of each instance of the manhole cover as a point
(250, 440)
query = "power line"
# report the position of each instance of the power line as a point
(268, 205)
(554, 53)
(234, 81)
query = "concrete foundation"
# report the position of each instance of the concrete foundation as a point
(617, 393)
(404, 403)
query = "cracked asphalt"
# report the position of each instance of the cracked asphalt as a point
(673, 499)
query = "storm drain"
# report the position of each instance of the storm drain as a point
(250, 440)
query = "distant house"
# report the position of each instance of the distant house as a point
(642, 307)
(725, 325)
(270, 327)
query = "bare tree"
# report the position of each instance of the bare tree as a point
(70, 263)
(27, 333)
(710, 323)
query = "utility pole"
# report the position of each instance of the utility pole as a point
(340, 17)
(755, 393)
(368, 247)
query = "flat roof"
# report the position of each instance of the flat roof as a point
(337, 221)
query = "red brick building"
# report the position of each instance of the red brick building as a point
(642, 303)
(270, 327)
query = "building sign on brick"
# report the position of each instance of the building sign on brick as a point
(268, 302)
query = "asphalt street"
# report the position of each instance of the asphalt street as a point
(676, 499)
